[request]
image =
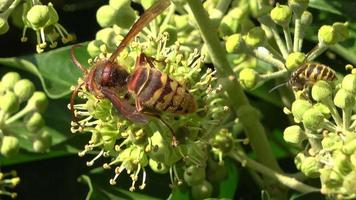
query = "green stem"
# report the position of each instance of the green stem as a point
(274, 52)
(273, 75)
(343, 52)
(316, 51)
(314, 140)
(18, 115)
(346, 118)
(288, 38)
(280, 43)
(268, 59)
(333, 111)
(282, 178)
(9, 10)
(254, 129)
(297, 34)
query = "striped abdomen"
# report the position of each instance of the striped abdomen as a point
(155, 90)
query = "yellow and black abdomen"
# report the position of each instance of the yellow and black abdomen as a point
(155, 90)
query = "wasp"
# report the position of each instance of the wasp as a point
(154, 91)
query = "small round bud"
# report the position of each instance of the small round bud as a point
(107, 36)
(321, 90)
(43, 143)
(344, 99)
(332, 142)
(299, 107)
(323, 109)
(341, 162)
(312, 119)
(234, 43)
(158, 167)
(118, 4)
(93, 48)
(223, 141)
(350, 182)
(350, 146)
(35, 122)
(341, 31)
(326, 35)
(298, 6)
(4, 26)
(294, 60)
(307, 18)
(24, 89)
(147, 3)
(281, 15)
(294, 134)
(10, 146)
(172, 34)
(106, 16)
(310, 167)
(38, 16)
(255, 37)
(38, 101)
(9, 80)
(298, 160)
(125, 17)
(160, 149)
(181, 22)
(9, 103)
(349, 83)
(53, 15)
(330, 178)
(202, 191)
(194, 175)
(248, 78)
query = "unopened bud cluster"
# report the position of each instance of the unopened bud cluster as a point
(8, 181)
(21, 106)
(327, 130)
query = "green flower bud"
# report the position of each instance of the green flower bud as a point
(160, 149)
(38, 101)
(24, 89)
(344, 99)
(349, 83)
(2, 88)
(223, 141)
(172, 34)
(35, 122)
(350, 182)
(118, 4)
(147, 3)
(255, 37)
(327, 35)
(53, 15)
(299, 107)
(10, 146)
(332, 142)
(310, 167)
(38, 16)
(125, 17)
(93, 48)
(248, 78)
(298, 6)
(298, 160)
(312, 119)
(9, 103)
(353, 159)
(281, 15)
(194, 175)
(321, 90)
(106, 16)
(307, 18)
(235, 44)
(294, 134)
(341, 31)
(202, 191)
(43, 143)
(10, 79)
(350, 146)
(4, 26)
(323, 109)
(330, 178)
(181, 22)
(294, 60)
(158, 167)
(341, 162)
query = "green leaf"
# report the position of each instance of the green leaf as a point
(54, 68)
(326, 5)
(178, 194)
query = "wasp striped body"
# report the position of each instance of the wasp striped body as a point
(155, 90)
(310, 73)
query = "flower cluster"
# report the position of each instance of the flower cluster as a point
(7, 181)
(328, 127)
(43, 19)
(20, 101)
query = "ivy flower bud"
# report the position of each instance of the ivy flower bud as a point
(323, 109)
(341, 162)
(341, 31)
(234, 43)
(38, 101)
(161, 150)
(344, 99)
(299, 107)
(202, 190)
(42, 143)
(24, 89)
(248, 78)
(181, 22)
(158, 167)
(255, 37)
(349, 147)
(4, 26)
(298, 160)
(125, 17)
(326, 35)
(118, 4)
(332, 142)
(35, 122)
(294, 134)
(9, 103)
(349, 83)
(350, 182)
(312, 119)
(294, 60)
(10, 79)
(310, 167)
(223, 141)
(281, 15)
(10, 146)
(307, 18)
(298, 6)
(38, 16)
(330, 178)
(93, 48)
(53, 15)
(194, 175)
(106, 16)
(321, 90)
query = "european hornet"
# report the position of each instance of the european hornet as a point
(154, 91)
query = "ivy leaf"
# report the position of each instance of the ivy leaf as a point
(54, 68)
